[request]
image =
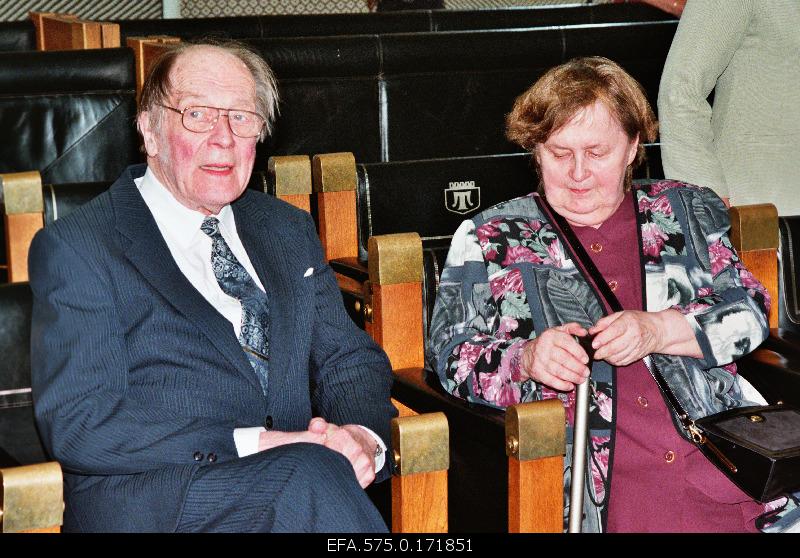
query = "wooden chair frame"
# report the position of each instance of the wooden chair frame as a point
(68, 32)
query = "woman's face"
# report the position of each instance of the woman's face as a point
(582, 165)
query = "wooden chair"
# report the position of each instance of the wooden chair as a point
(773, 368)
(146, 50)
(68, 32)
(31, 495)
(532, 434)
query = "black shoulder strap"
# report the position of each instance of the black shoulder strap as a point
(582, 258)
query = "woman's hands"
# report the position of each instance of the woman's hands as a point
(557, 360)
(625, 337)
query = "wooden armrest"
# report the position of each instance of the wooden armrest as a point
(754, 234)
(67, 32)
(32, 498)
(146, 50)
(532, 435)
(419, 487)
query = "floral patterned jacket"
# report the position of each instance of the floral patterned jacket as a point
(507, 278)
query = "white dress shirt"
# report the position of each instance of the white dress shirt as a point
(191, 249)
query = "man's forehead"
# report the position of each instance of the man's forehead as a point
(207, 71)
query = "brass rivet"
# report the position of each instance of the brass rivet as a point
(368, 312)
(358, 306)
(513, 445)
(756, 418)
(396, 458)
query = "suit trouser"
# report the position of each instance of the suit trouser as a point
(292, 488)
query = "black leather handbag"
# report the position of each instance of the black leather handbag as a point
(757, 447)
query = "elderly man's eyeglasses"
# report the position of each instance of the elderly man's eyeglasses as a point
(244, 123)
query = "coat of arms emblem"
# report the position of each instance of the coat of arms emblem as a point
(462, 197)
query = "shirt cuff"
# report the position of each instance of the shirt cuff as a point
(380, 454)
(246, 440)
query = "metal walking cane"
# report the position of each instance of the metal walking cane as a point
(579, 442)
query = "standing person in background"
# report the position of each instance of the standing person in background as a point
(745, 147)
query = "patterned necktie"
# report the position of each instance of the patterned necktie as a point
(234, 281)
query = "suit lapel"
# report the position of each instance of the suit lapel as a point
(149, 254)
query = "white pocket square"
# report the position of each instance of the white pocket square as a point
(308, 272)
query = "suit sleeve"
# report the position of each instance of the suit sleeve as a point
(351, 375)
(708, 34)
(88, 419)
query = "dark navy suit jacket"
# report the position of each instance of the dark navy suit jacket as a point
(135, 374)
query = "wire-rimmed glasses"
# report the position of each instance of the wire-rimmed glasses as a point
(244, 124)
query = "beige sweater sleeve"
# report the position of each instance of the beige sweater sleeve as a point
(708, 34)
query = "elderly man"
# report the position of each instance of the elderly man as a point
(186, 330)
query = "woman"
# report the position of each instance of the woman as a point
(511, 304)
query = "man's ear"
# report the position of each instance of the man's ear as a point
(148, 134)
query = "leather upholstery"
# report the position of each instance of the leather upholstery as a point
(19, 440)
(17, 36)
(70, 113)
(507, 18)
(62, 199)
(774, 373)
(414, 96)
(415, 21)
(329, 89)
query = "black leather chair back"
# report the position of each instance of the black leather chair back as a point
(432, 197)
(544, 16)
(19, 439)
(17, 36)
(447, 94)
(414, 21)
(69, 114)
(788, 285)
(62, 199)
(409, 96)
(330, 95)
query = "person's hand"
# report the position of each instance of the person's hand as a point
(353, 442)
(625, 337)
(555, 359)
(274, 438)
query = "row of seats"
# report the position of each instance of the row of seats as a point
(383, 97)
(22, 35)
(393, 278)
